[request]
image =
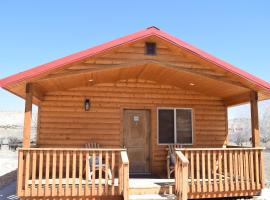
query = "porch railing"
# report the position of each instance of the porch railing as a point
(72, 172)
(124, 175)
(220, 172)
(181, 176)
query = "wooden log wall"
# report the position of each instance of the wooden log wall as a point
(63, 122)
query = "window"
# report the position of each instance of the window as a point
(175, 126)
(150, 48)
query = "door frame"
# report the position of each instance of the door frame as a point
(122, 142)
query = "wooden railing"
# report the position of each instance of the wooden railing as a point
(181, 176)
(124, 175)
(72, 172)
(221, 172)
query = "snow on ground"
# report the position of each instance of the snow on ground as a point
(8, 161)
(265, 194)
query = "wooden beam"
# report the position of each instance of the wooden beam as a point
(27, 115)
(237, 99)
(254, 119)
(37, 92)
(189, 67)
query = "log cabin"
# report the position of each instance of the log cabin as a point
(134, 96)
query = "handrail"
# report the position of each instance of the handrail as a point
(220, 149)
(182, 158)
(73, 149)
(181, 176)
(124, 157)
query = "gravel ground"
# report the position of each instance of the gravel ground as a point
(8, 192)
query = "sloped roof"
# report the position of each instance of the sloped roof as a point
(151, 31)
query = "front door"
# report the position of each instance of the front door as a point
(137, 139)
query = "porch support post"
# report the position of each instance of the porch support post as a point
(27, 115)
(254, 119)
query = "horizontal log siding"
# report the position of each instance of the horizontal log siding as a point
(63, 121)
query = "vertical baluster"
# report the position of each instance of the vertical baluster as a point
(67, 188)
(54, 192)
(236, 169)
(60, 189)
(198, 171)
(93, 171)
(261, 168)
(247, 170)
(34, 165)
(100, 174)
(113, 173)
(203, 171)
(27, 169)
(257, 170)
(120, 177)
(231, 176)
(209, 171)
(40, 174)
(192, 171)
(215, 170)
(251, 160)
(74, 193)
(241, 165)
(225, 169)
(20, 173)
(87, 169)
(47, 170)
(106, 171)
(220, 170)
(80, 173)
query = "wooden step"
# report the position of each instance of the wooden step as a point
(151, 186)
(152, 197)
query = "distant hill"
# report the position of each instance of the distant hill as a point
(11, 124)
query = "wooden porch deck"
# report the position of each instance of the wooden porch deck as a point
(199, 173)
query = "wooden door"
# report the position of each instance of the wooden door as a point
(137, 139)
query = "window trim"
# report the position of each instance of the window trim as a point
(175, 135)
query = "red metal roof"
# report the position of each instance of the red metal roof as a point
(130, 38)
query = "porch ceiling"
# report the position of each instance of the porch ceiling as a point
(161, 73)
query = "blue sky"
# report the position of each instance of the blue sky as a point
(35, 32)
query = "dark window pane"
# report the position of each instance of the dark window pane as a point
(184, 126)
(166, 126)
(150, 48)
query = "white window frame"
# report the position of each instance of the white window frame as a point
(175, 131)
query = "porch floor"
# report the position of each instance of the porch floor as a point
(133, 182)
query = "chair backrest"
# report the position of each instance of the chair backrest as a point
(92, 145)
(171, 147)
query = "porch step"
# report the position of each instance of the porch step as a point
(151, 186)
(152, 197)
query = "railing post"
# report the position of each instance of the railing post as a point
(125, 175)
(254, 119)
(27, 115)
(181, 176)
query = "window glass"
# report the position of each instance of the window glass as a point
(184, 126)
(166, 126)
